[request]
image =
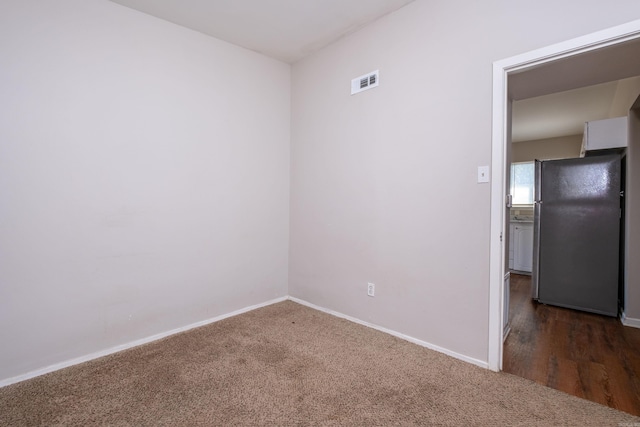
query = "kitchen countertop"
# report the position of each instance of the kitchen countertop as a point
(522, 220)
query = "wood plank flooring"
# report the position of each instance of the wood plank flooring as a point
(587, 355)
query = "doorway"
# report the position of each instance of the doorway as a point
(596, 58)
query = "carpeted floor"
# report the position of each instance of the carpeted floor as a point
(284, 365)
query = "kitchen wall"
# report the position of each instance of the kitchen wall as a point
(144, 179)
(377, 178)
(632, 226)
(546, 149)
(625, 99)
(627, 91)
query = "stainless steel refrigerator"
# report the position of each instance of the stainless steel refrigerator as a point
(577, 228)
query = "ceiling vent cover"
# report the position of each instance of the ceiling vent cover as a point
(367, 81)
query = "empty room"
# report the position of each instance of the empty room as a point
(290, 212)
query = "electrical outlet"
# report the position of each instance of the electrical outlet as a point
(371, 289)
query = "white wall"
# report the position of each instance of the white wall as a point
(144, 172)
(378, 178)
(144, 179)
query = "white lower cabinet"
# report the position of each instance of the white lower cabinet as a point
(522, 246)
(511, 230)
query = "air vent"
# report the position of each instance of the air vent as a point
(368, 81)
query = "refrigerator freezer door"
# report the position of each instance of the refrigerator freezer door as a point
(579, 226)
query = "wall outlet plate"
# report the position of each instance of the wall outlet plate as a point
(371, 289)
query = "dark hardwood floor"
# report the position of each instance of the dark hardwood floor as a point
(587, 355)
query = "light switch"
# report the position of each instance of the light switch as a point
(483, 174)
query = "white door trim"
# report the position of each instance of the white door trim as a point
(501, 71)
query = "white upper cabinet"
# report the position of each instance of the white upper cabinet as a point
(603, 134)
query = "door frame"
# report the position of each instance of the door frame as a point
(500, 125)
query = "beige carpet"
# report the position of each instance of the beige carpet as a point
(287, 364)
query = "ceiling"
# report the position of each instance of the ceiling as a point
(286, 30)
(564, 113)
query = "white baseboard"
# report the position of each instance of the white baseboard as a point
(132, 344)
(506, 332)
(629, 321)
(92, 356)
(428, 345)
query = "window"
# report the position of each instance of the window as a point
(522, 181)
